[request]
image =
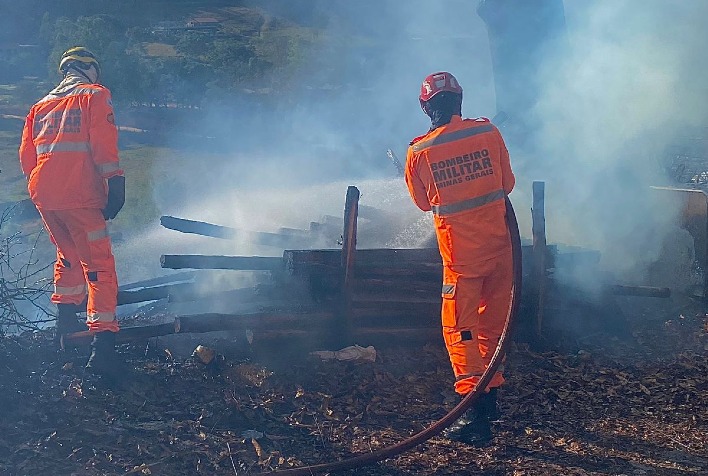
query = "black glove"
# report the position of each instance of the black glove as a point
(116, 197)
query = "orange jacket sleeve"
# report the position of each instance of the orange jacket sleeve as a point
(28, 152)
(508, 179)
(415, 185)
(103, 135)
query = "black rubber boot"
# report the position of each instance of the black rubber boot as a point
(104, 359)
(472, 428)
(488, 401)
(67, 321)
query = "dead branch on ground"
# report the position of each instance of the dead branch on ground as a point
(25, 279)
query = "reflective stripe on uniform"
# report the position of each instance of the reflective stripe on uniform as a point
(100, 317)
(70, 290)
(452, 136)
(468, 204)
(464, 376)
(500, 370)
(63, 147)
(98, 234)
(108, 168)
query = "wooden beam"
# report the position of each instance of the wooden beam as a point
(539, 250)
(343, 327)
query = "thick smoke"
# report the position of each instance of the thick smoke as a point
(270, 158)
(629, 83)
(629, 87)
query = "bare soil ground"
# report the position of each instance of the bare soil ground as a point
(601, 406)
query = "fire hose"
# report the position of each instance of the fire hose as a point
(438, 426)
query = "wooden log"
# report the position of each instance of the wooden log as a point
(245, 263)
(185, 292)
(156, 292)
(341, 331)
(198, 227)
(167, 279)
(538, 262)
(351, 210)
(288, 237)
(126, 334)
(269, 322)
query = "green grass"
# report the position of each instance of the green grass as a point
(12, 183)
(140, 209)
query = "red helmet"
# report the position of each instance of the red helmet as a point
(437, 82)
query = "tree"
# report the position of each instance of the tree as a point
(102, 34)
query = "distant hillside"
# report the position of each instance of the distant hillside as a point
(159, 51)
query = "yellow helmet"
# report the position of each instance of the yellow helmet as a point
(80, 57)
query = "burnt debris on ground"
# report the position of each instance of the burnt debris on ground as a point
(603, 405)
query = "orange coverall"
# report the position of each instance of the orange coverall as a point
(461, 171)
(69, 149)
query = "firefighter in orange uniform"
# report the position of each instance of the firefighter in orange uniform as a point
(460, 171)
(69, 155)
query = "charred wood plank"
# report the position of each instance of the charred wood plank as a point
(198, 227)
(288, 237)
(126, 334)
(167, 279)
(156, 292)
(351, 211)
(246, 263)
(539, 253)
(185, 292)
(342, 328)
(268, 322)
